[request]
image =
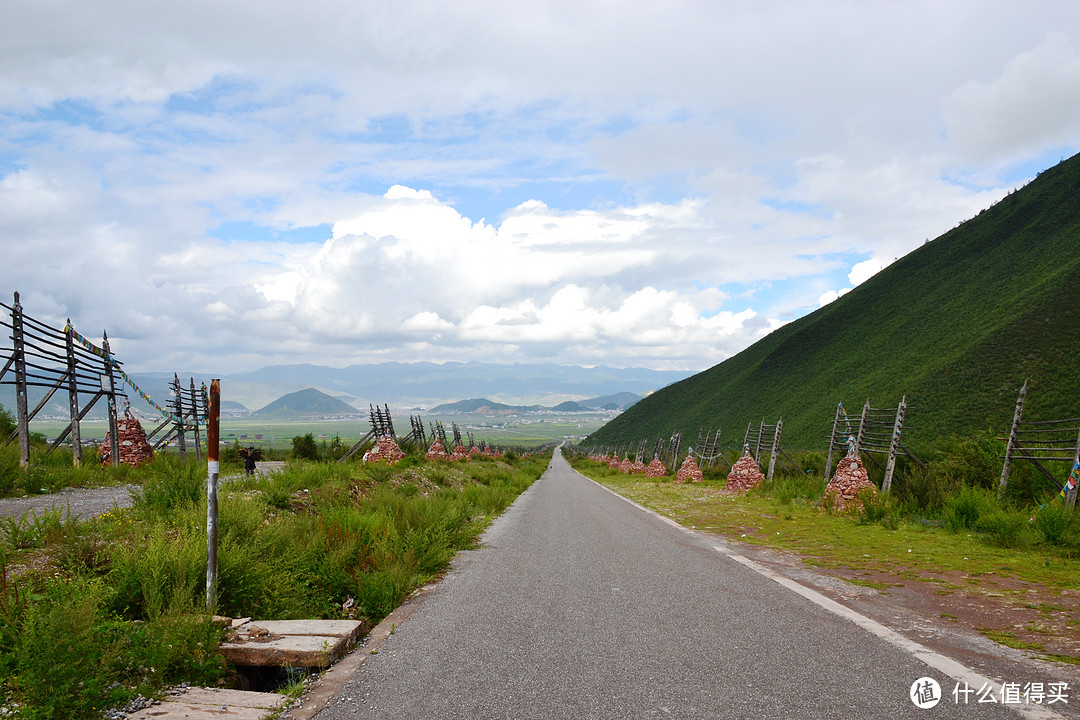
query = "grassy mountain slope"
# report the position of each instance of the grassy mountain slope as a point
(957, 326)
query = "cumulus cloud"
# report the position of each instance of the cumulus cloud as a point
(653, 183)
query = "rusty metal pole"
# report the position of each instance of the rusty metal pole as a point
(213, 472)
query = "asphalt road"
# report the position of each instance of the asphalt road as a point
(580, 605)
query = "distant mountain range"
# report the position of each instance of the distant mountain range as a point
(401, 385)
(483, 406)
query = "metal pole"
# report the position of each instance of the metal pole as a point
(213, 472)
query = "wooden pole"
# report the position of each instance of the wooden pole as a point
(213, 473)
(775, 448)
(22, 416)
(757, 445)
(1017, 414)
(195, 420)
(894, 445)
(862, 428)
(1074, 478)
(73, 396)
(832, 439)
(178, 405)
(114, 443)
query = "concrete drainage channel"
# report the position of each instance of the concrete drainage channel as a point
(263, 651)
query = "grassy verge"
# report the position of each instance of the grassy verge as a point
(93, 613)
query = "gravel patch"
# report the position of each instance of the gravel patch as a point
(85, 503)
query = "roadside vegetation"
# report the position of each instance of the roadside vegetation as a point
(95, 612)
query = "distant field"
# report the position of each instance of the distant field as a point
(516, 430)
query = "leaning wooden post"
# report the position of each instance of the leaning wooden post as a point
(21, 410)
(1074, 478)
(73, 395)
(213, 473)
(1017, 414)
(775, 449)
(114, 444)
(181, 431)
(862, 428)
(757, 445)
(195, 420)
(832, 439)
(894, 445)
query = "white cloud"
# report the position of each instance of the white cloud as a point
(641, 183)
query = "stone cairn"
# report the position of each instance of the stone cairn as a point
(637, 467)
(689, 471)
(386, 449)
(475, 451)
(849, 480)
(745, 474)
(437, 451)
(656, 469)
(134, 448)
(624, 466)
(613, 463)
(460, 453)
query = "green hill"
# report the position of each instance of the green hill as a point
(957, 326)
(306, 402)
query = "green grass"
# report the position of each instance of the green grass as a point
(92, 612)
(916, 547)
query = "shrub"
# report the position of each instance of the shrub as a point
(1006, 528)
(963, 508)
(304, 447)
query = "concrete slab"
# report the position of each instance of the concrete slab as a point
(213, 704)
(291, 643)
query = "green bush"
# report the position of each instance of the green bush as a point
(963, 508)
(304, 447)
(1006, 528)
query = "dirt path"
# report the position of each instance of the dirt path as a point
(85, 503)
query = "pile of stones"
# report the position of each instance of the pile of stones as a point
(849, 480)
(689, 471)
(745, 474)
(437, 451)
(656, 469)
(134, 448)
(386, 449)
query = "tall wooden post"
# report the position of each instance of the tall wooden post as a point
(73, 395)
(832, 439)
(213, 473)
(1017, 414)
(114, 444)
(1074, 478)
(757, 445)
(21, 409)
(894, 445)
(195, 419)
(178, 405)
(862, 428)
(775, 449)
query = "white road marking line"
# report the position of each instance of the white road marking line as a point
(937, 661)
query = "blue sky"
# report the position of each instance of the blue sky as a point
(587, 182)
